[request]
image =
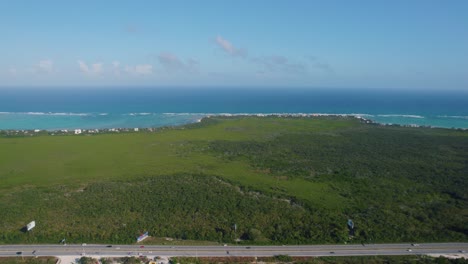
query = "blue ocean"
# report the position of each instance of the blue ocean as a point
(86, 108)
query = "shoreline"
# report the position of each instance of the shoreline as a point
(92, 131)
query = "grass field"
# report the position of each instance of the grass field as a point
(281, 180)
(325, 260)
(28, 260)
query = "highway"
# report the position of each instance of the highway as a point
(95, 250)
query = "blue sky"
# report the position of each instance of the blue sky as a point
(410, 44)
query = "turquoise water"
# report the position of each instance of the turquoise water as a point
(53, 109)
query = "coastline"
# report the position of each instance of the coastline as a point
(363, 118)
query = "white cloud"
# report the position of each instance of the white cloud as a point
(141, 69)
(229, 48)
(321, 65)
(116, 67)
(93, 69)
(278, 63)
(144, 69)
(274, 64)
(45, 66)
(226, 45)
(12, 71)
(172, 63)
(97, 68)
(83, 67)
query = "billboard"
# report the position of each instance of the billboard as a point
(30, 225)
(142, 237)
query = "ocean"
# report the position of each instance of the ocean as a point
(86, 108)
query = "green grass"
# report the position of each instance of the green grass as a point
(324, 260)
(46, 160)
(28, 260)
(282, 180)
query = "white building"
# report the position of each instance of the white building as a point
(77, 131)
(136, 129)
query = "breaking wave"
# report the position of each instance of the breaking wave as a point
(404, 116)
(456, 117)
(45, 113)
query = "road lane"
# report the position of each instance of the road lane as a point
(222, 251)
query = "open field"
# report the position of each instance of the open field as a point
(280, 180)
(324, 260)
(28, 260)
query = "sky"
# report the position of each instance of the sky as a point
(398, 44)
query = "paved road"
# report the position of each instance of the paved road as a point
(222, 251)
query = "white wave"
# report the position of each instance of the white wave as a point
(45, 113)
(68, 114)
(138, 114)
(457, 117)
(355, 114)
(103, 114)
(404, 116)
(359, 115)
(187, 114)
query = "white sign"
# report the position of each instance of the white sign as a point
(142, 237)
(31, 225)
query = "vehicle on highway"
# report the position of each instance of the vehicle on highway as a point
(415, 245)
(34, 252)
(247, 247)
(83, 244)
(227, 252)
(332, 252)
(142, 246)
(409, 250)
(19, 253)
(462, 251)
(109, 246)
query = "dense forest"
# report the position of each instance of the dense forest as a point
(399, 183)
(251, 180)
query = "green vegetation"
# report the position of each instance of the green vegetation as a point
(324, 260)
(28, 260)
(287, 259)
(87, 260)
(280, 180)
